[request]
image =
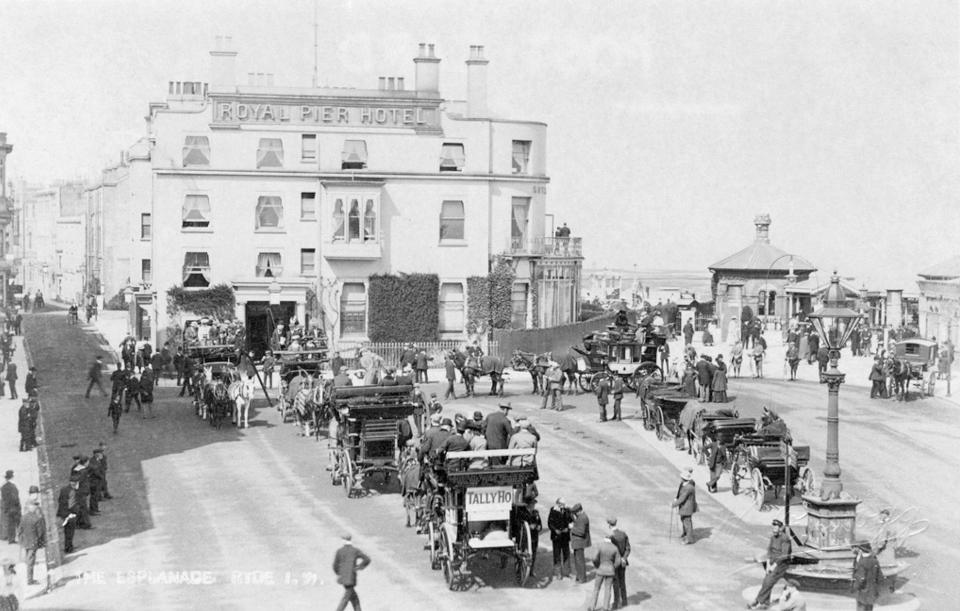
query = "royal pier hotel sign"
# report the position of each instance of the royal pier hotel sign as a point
(329, 112)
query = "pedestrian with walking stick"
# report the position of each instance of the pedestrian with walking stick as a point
(686, 504)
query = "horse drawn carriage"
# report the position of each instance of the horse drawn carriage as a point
(759, 463)
(219, 389)
(622, 352)
(478, 512)
(916, 359)
(368, 422)
(307, 363)
(661, 404)
(723, 425)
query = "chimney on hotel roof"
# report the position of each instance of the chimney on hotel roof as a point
(427, 67)
(223, 62)
(477, 83)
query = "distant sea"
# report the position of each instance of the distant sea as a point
(697, 282)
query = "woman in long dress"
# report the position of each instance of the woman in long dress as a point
(736, 358)
(719, 383)
(689, 380)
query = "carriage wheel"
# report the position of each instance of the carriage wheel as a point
(446, 560)
(524, 551)
(348, 481)
(434, 545)
(282, 408)
(759, 489)
(658, 423)
(734, 479)
(697, 448)
(585, 381)
(335, 477)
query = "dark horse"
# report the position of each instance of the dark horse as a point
(219, 405)
(536, 364)
(900, 373)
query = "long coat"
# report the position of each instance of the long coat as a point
(580, 532)
(9, 505)
(33, 530)
(607, 559)
(686, 498)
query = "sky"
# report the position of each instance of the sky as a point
(678, 121)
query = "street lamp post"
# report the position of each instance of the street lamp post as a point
(832, 516)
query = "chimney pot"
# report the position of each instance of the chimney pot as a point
(430, 49)
(400, 83)
(390, 83)
(423, 49)
(382, 83)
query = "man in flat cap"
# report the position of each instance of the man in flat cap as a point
(622, 541)
(9, 509)
(580, 541)
(776, 562)
(347, 561)
(867, 576)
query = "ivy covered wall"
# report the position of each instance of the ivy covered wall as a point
(404, 307)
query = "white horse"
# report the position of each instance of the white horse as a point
(241, 393)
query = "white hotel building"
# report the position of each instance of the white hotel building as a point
(284, 192)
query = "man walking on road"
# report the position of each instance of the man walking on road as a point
(686, 504)
(622, 541)
(867, 577)
(9, 509)
(580, 541)
(558, 521)
(95, 375)
(346, 563)
(33, 536)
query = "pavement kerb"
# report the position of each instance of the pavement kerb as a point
(30, 469)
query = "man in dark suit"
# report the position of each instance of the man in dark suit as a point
(498, 431)
(704, 378)
(686, 504)
(68, 510)
(9, 508)
(31, 385)
(716, 455)
(347, 561)
(558, 521)
(580, 541)
(11, 378)
(688, 333)
(603, 394)
(95, 375)
(622, 542)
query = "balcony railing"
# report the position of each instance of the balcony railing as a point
(547, 247)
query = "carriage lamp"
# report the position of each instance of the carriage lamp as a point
(831, 516)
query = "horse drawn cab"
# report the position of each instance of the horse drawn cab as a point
(482, 512)
(307, 362)
(621, 351)
(920, 355)
(368, 426)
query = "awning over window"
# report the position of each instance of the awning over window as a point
(196, 269)
(354, 151)
(270, 153)
(269, 264)
(196, 151)
(452, 157)
(269, 211)
(196, 211)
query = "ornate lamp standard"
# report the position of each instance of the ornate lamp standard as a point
(832, 516)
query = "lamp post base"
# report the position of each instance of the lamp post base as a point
(831, 523)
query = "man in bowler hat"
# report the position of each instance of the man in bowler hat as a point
(686, 504)
(9, 508)
(68, 510)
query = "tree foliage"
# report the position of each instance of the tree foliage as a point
(404, 307)
(490, 299)
(217, 301)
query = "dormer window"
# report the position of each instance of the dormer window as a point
(270, 153)
(451, 157)
(354, 155)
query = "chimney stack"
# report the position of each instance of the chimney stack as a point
(223, 60)
(762, 223)
(477, 83)
(427, 68)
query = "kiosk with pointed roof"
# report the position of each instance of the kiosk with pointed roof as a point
(755, 277)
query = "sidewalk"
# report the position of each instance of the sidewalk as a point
(26, 469)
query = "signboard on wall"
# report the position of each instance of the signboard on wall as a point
(339, 112)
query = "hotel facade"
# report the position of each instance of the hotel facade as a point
(295, 197)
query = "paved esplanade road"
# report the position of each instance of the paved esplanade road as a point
(254, 512)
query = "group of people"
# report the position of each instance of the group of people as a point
(705, 377)
(13, 321)
(25, 526)
(80, 498)
(36, 301)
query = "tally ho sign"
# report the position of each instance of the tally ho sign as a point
(489, 503)
(331, 112)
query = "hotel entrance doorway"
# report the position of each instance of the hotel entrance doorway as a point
(262, 320)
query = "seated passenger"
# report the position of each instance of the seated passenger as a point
(477, 443)
(521, 440)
